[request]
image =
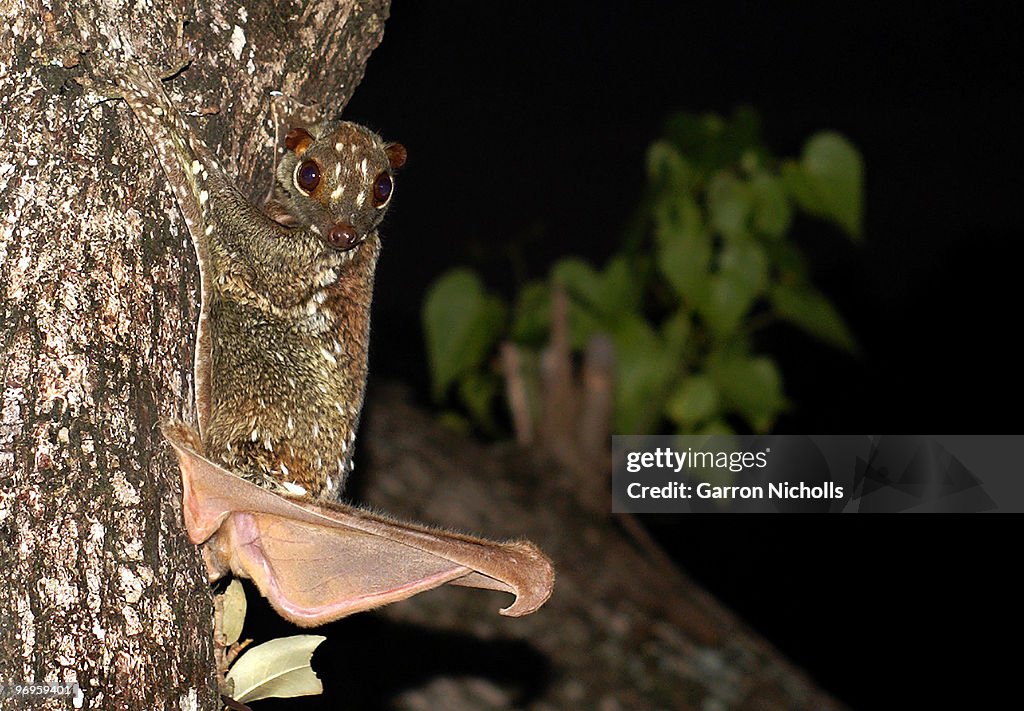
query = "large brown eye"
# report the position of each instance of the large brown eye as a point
(307, 177)
(381, 189)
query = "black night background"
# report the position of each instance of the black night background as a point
(526, 126)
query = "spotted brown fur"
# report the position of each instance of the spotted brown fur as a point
(283, 333)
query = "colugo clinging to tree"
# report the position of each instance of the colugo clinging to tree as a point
(280, 371)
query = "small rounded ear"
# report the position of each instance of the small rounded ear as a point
(396, 155)
(279, 213)
(298, 140)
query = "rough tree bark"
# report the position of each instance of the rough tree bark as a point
(97, 306)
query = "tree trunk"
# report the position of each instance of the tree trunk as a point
(98, 301)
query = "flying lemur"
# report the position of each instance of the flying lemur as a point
(281, 354)
(280, 371)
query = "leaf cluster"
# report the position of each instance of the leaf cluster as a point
(708, 259)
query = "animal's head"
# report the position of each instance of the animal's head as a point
(338, 182)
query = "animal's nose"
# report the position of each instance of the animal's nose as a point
(342, 236)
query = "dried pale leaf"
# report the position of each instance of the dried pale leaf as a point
(278, 668)
(233, 604)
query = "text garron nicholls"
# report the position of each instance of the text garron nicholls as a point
(667, 458)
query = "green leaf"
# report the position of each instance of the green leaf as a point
(477, 391)
(667, 169)
(808, 309)
(751, 386)
(729, 205)
(727, 302)
(622, 289)
(462, 325)
(829, 181)
(278, 668)
(532, 315)
(676, 334)
(605, 294)
(597, 300)
(232, 604)
(696, 136)
(644, 368)
(583, 324)
(684, 249)
(581, 281)
(711, 142)
(748, 263)
(582, 286)
(742, 277)
(694, 402)
(772, 212)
